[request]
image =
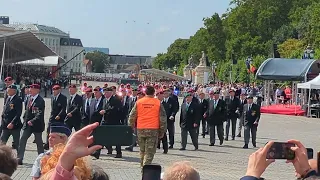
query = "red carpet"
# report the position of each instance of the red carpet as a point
(294, 110)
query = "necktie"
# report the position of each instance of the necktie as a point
(8, 100)
(70, 101)
(30, 102)
(187, 106)
(215, 103)
(88, 107)
(249, 107)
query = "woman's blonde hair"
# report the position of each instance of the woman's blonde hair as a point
(48, 163)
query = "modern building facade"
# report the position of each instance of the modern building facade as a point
(58, 41)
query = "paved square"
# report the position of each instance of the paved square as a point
(227, 162)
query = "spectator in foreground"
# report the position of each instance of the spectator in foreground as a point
(4, 177)
(181, 171)
(8, 162)
(258, 162)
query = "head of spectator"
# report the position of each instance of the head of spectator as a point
(12, 90)
(56, 90)
(105, 85)
(123, 92)
(81, 168)
(59, 134)
(72, 89)
(160, 95)
(107, 92)
(98, 173)
(8, 81)
(135, 92)
(88, 92)
(27, 90)
(8, 162)
(114, 90)
(181, 171)
(34, 89)
(4, 177)
(150, 91)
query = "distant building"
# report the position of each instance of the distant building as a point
(70, 47)
(91, 49)
(128, 63)
(4, 20)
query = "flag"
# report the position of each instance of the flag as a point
(252, 68)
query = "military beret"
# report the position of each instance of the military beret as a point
(249, 97)
(190, 91)
(107, 89)
(216, 92)
(166, 90)
(13, 87)
(60, 128)
(187, 95)
(90, 86)
(56, 87)
(97, 89)
(105, 84)
(231, 90)
(158, 93)
(8, 79)
(35, 86)
(73, 86)
(113, 88)
(88, 90)
(141, 93)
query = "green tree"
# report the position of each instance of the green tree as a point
(100, 61)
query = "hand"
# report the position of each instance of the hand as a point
(300, 161)
(258, 161)
(237, 111)
(57, 118)
(10, 126)
(205, 115)
(30, 123)
(69, 115)
(195, 125)
(171, 118)
(102, 112)
(77, 146)
(255, 123)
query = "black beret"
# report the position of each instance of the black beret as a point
(13, 87)
(73, 86)
(60, 128)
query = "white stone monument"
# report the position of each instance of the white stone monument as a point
(187, 71)
(201, 70)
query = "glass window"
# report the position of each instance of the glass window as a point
(53, 42)
(46, 40)
(50, 41)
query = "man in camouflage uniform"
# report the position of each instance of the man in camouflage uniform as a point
(148, 137)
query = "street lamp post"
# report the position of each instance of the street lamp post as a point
(214, 65)
(308, 53)
(248, 62)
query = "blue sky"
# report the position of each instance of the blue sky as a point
(121, 25)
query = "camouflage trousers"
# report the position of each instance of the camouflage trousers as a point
(148, 141)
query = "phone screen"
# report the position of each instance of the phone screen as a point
(151, 172)
(280, 150)
(310, 153)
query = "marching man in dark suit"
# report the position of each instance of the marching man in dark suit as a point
(164, 140)
(189, 122)
(98, 106)
(243, 101)
(88, 107)
(251, 117)
(216, 116)
(112, 107)
(73, 119)
(203, 106)
(11, 116)
(58, 110)
(125, 106)
(33, 122)
(233, 105)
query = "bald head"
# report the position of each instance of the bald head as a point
(181, 171)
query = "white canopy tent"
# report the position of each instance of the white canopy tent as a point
(313, 84)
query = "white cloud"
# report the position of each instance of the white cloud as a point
(163, 29)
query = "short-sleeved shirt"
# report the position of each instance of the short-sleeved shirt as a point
(36, 168)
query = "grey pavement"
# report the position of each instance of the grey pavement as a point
(226, 162)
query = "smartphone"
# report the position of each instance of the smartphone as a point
(151, 172)
(318, 161)
(310, 153)
(112, 135)
(281, 150)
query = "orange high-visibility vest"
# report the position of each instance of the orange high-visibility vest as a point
(148, 113)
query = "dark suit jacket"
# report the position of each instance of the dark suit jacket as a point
(96, 116)
(132, 102)
(241, 106)
(176, 99)
(86, 118)
(125, 107)
(252, 115)
(216, 116)
(171, 108)
(75, 109)
(12, 113)
(113, 109)
(203, 107)
(194, 100)
(232, 107)
(190, 116)
(58, 108)
(35, 114)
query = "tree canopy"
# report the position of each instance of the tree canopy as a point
(100, 61)
(249, 28)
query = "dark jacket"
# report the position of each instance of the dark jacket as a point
(171, 108)
(252, 115)
(242, 103)
(232, 107)
(203, 107)
(132, 102)
(216, 116)
(113, 109)
(35, 114)
(125, 107)
(12, 113)
(190, 116)
(96, 116)
(58, 108)
(75, 109)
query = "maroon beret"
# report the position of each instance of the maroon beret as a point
(35, 86)
(8, 79)
(55, 87)
(88, 90)
(73, 86)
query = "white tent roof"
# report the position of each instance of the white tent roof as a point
(48, 61)
(313, 84)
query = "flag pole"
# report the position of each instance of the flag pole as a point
(2, 59)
